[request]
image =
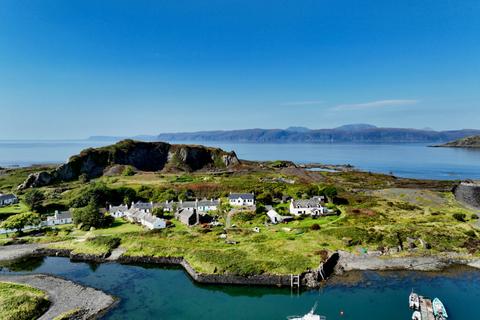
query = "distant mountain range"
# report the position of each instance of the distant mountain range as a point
(352, 133)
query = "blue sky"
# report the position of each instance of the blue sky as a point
(71, 69)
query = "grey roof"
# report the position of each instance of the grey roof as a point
(308, 203)
(186, 213)
(143, 205)
(188, 204)
(122, 207)
(210, 203)
(4, 197)
(150, 218)
(245, 196)
(63, 215)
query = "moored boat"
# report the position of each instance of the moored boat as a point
(417, 315)
(309, 316)
(439, 310)
(414, 301)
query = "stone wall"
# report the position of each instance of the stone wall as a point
(468, 193)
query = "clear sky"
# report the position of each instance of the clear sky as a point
(71, 69)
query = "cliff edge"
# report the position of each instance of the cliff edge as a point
(144, 156)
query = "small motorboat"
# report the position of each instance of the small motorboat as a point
(439, 310)
(417, 315)
(414, 301)
(309, 316)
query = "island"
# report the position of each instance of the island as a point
(468, 142)
(228, 220)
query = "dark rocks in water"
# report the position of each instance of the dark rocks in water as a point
(144, 156)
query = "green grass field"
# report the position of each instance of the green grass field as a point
(21, 302)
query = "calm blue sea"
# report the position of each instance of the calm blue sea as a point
(404, 160)
(156, 293)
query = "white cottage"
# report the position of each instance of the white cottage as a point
(204, 205)
(241, 199)
(275, 217)
(59, 218)
(152, 222)
(118, 211)
(313, 206)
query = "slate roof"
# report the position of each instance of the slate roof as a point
(308, 203)
(245, 196)
(63, 215)
(4, 197)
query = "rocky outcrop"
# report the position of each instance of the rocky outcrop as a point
(144, 156)
(468, 142)
(468, 192)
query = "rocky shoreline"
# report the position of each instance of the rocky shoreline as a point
(68, 299)
(343, 262)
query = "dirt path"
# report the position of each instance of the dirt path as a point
(66, 296)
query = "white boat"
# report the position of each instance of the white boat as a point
(439, 309)
(309, 316)
(417, 315)
(414, 301)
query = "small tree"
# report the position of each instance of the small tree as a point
(19, 221)
(90, 216)
(33, 199)
(330, 192)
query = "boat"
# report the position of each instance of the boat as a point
(439, 310)
(417, 315)
(309, 316)
(414, 301)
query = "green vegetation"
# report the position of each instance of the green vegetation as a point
(33, 198)
(21, 302)
(376, 212)
(19, 221)
(90, 217)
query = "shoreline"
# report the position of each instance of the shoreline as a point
(68, 299)
(347, 262)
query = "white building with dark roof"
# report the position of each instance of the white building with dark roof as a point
(59, 218)
(313, 206)
(204, 205)
(241, 199)
(118, 211)
(7, 199)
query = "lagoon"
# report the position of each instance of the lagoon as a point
(151, 292)
(403, 160)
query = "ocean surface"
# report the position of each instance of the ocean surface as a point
(403, 160)
(158, 293)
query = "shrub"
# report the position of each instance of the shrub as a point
(471, 233)
(474, 216)
(459, 216)
(83, 178)
(315, 226)
(33, 199)
(89, 216)
(128, 171)
(109, 242)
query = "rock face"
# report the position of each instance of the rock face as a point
(468, 192)
(144, 156)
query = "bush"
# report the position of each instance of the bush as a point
(474, 216)
(89, 216)
(471, 233)
(315, 226)
(459, 216)
(34, 198)
(128, 171)
(83, 178)
(109, 242)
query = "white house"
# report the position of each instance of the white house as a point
(241, 199)
(313, 206)
(152, 222)
(59, 218)
(7, 199)
(275, 217)
(142, 205)
(204, 205)
(118, 211)
(167, 206)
